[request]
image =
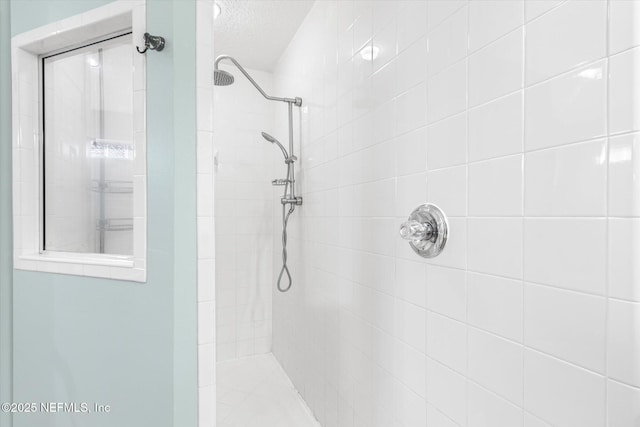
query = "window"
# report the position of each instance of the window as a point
(79, 144)
(88, 148)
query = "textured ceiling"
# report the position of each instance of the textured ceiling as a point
(256, 32)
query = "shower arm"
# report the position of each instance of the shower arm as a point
(295, 101)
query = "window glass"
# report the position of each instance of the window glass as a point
(88, 149)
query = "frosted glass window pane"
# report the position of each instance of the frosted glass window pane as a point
(88, 149)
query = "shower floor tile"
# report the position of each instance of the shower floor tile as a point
(255, 392)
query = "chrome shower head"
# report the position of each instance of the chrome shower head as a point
(269, 137)
(275, 141)
(222, 78)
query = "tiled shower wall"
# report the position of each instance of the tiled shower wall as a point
(205, 212)
(517, 118)
(243, 200)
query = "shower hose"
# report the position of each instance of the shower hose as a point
(285, 221)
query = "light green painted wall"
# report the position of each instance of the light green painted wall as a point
(6, 314)
(185, 317)
(29, 14)
(132, 346)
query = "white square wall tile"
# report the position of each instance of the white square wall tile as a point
(535, 8)
(549, 381)
(447, 341)
(206, 322)
(386, 41)
(624, 91)
(410, 367)
(570, 35)
(495, 187)
(495, 246)
(204, 110)
(447, 142)
(207, 406)
(384, 13)
(447, 92)
(411, 109)
(381, 314)
(495, 129)
(411, 281)
(623, 25)
(410, 324)
(624, 180)
(532, 421)
(412, 22)
(411, 191)
(447, 188)
(363, 26)
(567, 181)
(205, 152)
(411, 65)
(206, 237)
(205, 194)
(497, 69)
(490, 19)
(623, 356)
(437, 418)
(496, 364)
(566, 324)
(410, 408)
(446, 390)
(448, 42)
(623, 404)
(206, 280)
(439, 10)
(206, 365)
(568, 108)
(446, 291)
(624, 252)
(486, 409)
(495, 305)
(455, 252)
(566, 253)
(411, 152)
(384, 84)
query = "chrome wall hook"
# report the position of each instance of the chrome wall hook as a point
(151, 42)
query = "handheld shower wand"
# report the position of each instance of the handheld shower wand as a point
(224, 78)
(290, 198)
(275, 141)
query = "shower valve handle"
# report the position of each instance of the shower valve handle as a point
(427, 230)
(416, 231)
(292, 200)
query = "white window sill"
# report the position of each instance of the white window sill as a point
(90, 265)
(80, 258)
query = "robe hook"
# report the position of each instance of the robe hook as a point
(151, 42)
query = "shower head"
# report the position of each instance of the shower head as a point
(222, 78)
(269, 137)
(275, 141)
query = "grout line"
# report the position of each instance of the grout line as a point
(523, 196)
(500, 38)
(566, 73)
(466, 242)
(558, 359)
(625, 50)
(497, 98)
(547, 12)
(607, 228)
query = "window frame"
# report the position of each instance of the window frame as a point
(29, 51)
(88, 46)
